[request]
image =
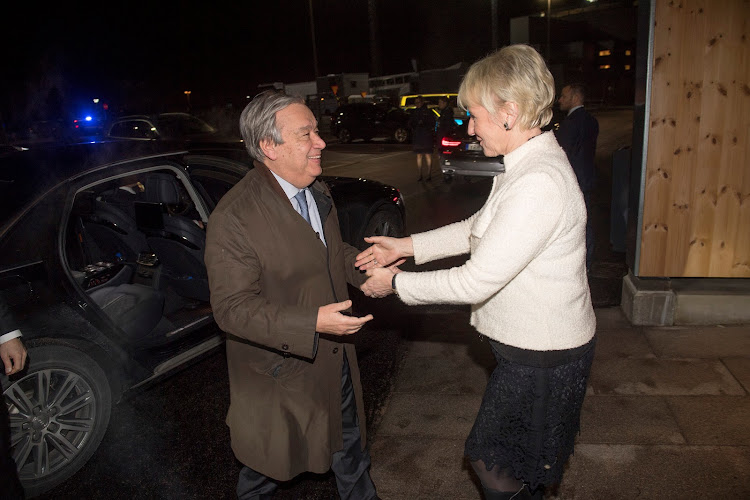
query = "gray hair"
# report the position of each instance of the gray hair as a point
(258, 120)
(516, 73)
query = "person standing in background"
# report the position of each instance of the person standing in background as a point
(577, 135)
(446, 123)
(422, 123)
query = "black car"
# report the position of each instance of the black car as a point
(366, 120)
(163, 126)
(461, 154)
(101, 260)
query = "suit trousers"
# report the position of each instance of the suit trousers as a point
(350, 465)
(10, 486)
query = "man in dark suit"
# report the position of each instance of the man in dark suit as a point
(577, 135)
(445, 123)
(278, 273)
(13, 354)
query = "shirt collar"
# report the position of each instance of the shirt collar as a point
(573, 109)
(289, 189)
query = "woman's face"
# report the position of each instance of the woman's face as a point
(492, 136)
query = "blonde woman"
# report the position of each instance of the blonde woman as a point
(525, 279)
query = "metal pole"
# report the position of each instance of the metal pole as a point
(494, 25)
(312, 36)
(376, 66)
(549, 20)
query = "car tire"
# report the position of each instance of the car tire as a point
(61, 402)
(401, 135)
(447, 178)
(385, 222)
(345, 136)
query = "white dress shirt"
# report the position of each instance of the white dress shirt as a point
(10, 336)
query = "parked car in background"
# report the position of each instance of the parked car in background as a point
(101, 260)
(164, 126)
(461, 154)
(367, 120)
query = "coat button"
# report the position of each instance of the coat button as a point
(285, 347)
(335, 350)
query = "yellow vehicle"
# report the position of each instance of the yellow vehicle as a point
(408, 101)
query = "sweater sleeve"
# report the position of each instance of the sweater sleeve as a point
(523, 222)
(446, 241)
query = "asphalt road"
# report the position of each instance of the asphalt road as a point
(169, 440)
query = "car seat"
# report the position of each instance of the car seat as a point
(179, 243)
(115, 233)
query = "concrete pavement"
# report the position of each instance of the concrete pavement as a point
(667, 413)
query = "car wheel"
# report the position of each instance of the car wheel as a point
(401, 135)
(345, 136)
(447, 178)
(384, 222)
(59, 410)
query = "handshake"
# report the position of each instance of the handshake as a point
(381, 262)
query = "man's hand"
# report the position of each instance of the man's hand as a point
(384, 252)
(13, 354)
(379, 283)
(330, 319)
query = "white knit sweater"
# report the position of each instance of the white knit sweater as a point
(526, 277)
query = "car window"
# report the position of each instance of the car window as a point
(117, 130)
(180, 125)
(134, 129)
(214, 178)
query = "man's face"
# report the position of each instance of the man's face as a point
(566, 99)
(297, 160)
(442, 104)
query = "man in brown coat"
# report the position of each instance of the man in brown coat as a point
(278, 273)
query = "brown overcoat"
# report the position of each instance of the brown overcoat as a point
(268, 273)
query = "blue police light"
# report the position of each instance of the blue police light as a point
(88, 118)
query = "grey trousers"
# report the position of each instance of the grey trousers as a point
(351, 465)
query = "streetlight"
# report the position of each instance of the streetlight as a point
(187, 96)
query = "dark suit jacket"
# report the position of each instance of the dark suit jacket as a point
(577, 135)
(445, 123)
(268, 273)
(7, 321)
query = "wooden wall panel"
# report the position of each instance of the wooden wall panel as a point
(696, 213)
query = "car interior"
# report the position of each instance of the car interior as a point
(135, 246)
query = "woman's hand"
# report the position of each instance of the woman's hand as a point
(384, 252)
(379, 283)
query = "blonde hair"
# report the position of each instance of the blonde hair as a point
(516, 73)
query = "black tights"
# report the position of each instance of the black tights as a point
(501, 484)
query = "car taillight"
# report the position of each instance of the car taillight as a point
(447, 143)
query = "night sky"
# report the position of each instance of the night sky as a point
(150, 52)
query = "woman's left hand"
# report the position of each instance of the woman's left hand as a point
(379, 283)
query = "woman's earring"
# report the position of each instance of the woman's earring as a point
(506, 126)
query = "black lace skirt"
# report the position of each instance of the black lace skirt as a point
(530, 411)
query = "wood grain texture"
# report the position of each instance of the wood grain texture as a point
(696, 213)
